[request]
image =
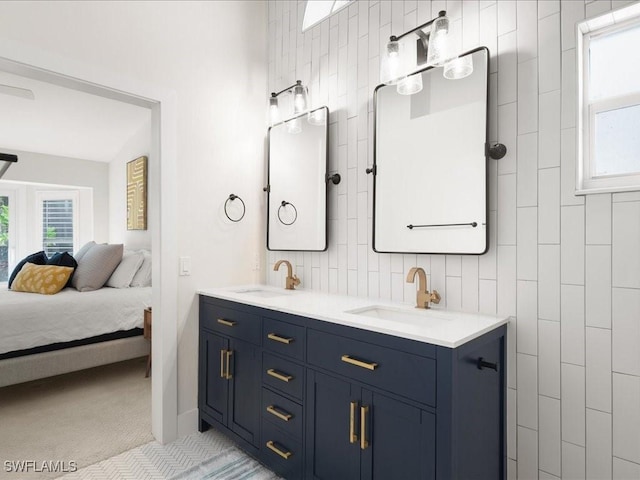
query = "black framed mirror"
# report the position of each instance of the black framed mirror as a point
(430, 163)
(296, 183)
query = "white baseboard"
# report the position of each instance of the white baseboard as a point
(187, 422)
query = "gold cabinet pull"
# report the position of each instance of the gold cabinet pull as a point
(282, 416)
(222, 374)
(364, 411)
(280, 376)
(229, 376)
(227, 323)
(359, 363)
(271, 446)
(278, 338)
(353, 436)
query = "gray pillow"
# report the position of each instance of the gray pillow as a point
(123, 274)
(96, 266)
(83, 251)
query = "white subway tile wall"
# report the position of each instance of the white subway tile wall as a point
(566, 269)
(550, 460)
(599, 460)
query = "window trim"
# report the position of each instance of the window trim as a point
(74, 196)
(14, 235)
(586, 181)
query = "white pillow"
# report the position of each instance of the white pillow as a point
(143, 277)
(125, 271)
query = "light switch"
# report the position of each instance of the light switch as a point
(185, 266)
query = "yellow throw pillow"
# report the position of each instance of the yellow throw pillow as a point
(45, 279)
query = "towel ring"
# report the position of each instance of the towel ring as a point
(284, 204)
(231, 198)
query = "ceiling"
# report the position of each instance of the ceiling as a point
(65, 122)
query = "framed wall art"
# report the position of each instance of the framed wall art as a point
(137, 194)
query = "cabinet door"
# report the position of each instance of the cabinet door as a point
(480, 443)
(214, 387)
(331, 451)
(244, 413)
(400, 439)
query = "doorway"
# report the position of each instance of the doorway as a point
(162, 193)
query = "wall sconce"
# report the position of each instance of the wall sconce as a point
(317, 117)
(6, 160)
(294, 125)
(436, 47)
(300, 101)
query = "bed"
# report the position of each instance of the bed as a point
(45, 335)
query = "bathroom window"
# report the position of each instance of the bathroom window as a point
(317, 10)
(609, 102)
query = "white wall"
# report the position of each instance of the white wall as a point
(53, 170)
(138, 145)
(565, 268)
(213, 55)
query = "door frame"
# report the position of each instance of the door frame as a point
(46, 66)
(11, 193)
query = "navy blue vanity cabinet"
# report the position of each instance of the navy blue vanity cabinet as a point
(283, 379)
(331, 428)
(471, 418)
(383, 407)
(213, 398)
(376, 435)
(401, 439)
(356, 433)
(229, 370)
(318, 400)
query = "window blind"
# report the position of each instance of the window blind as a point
(57, 226)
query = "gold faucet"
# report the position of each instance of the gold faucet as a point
(292, 280)
(423, 296)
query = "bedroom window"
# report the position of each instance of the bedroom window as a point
(609, 102)
(6, 233)
(58, 221)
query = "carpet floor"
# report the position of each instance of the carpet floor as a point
(84, 417)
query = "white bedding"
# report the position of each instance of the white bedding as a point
(30, 320)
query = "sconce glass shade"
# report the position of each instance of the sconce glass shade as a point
(391, 64)
(317, 117)
(440, 45)
(274, 112)
(458, 68)
(410, 85)
(300, 98)
(294, 126)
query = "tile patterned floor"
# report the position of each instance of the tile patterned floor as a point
(183, 458)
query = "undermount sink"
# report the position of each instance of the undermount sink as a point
(404, 315)
(260, 292)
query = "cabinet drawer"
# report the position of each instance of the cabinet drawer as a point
(399, 372)
(230, 322)
(282, 412)
(281, 452)
(283, 338)
(283, 375)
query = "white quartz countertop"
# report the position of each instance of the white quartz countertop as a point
(436, 325)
